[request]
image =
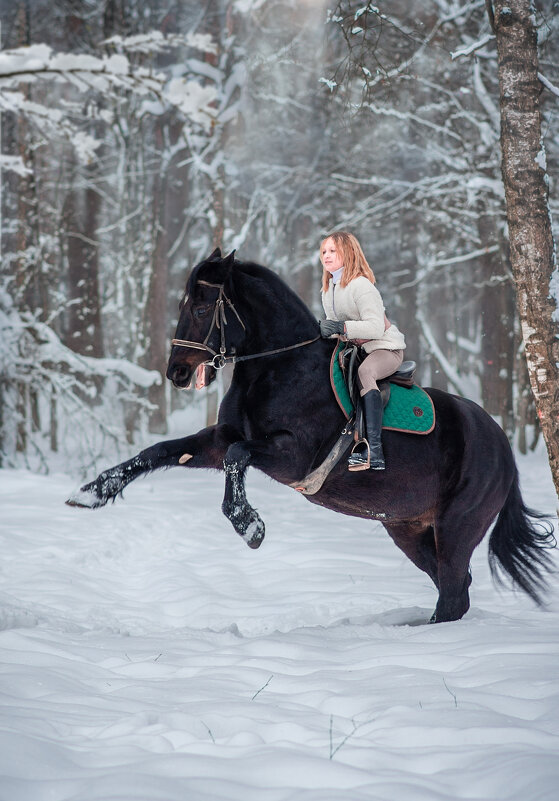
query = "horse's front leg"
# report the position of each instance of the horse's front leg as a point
(245, 519)
(207, 448)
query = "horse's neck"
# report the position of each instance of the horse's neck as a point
(267, 331)
(273, 321)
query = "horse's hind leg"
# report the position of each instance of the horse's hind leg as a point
(246, 520)
(455, 539)
(417, 541)
(447, 566)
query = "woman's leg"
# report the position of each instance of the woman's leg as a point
(378, 364)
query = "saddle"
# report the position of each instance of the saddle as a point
(350, 356)
(407, 408)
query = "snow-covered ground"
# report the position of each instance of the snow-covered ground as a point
(148, 655)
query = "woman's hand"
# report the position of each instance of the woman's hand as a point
(330, 327)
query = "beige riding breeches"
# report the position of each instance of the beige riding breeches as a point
(378, 364)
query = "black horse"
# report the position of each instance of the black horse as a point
(439, 493)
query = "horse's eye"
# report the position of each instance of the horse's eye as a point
(200, 311)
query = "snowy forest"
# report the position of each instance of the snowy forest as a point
(138, 135)
(147, 654)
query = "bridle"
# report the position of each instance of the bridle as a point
(219, 321)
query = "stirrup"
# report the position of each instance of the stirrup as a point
(357, 460)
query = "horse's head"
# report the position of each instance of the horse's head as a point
(208, 323)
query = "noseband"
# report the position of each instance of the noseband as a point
(219, 321)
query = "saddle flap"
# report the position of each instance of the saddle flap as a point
(408, 408)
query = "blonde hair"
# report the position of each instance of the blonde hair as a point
(353, 259)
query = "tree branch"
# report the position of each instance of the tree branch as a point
(490, 14)
(446, 367)
(548, 85)
(469, 49)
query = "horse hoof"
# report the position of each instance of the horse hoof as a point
(85, 499)
(76, 504)
(254, 534)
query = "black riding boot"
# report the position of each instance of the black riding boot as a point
(368, 454)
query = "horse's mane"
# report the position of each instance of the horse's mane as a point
(280, 292)
(280, 289)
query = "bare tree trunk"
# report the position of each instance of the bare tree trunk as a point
(409, 244)
(156, 308)
(525, 405)
(30, 282)
(526, 194)
(220, 25)
(81, 214)
(497, 318)
(115, 18)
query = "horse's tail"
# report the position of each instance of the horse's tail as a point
(520, 547)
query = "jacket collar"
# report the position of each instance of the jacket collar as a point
(336, 277)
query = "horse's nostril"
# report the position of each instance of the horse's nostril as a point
(178, 373)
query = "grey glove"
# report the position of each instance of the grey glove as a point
(330, 327)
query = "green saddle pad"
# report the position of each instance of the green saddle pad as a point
(408, 409)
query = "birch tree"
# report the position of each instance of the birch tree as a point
(532, 249)
(436, 114)
(451, 202)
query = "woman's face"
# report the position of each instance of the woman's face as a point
(330, 256)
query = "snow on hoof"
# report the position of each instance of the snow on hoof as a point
(254, 533)
(86, 499)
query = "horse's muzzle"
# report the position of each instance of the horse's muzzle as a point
(180, 375)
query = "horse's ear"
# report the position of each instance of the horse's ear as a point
(229, 261)
(215, 255)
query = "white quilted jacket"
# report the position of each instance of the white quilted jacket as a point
(360, 306)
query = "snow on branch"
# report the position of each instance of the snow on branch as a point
(246, 6)
(55, 400)
(157, 42)
(407, 115)
(447, 368)
(548, 85)
(329, 83)
(38, 61)
(26, 342)
(467, 50)
(49, 120)
(473, 254)
(14, 163)
(109, 75)
(435, 265)
(52, 351)
(485, 98)
(193, 99)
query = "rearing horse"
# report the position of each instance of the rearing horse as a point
(439, 493)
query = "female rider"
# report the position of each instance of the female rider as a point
(355, 311)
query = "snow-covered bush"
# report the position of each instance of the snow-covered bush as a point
(58, 408)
